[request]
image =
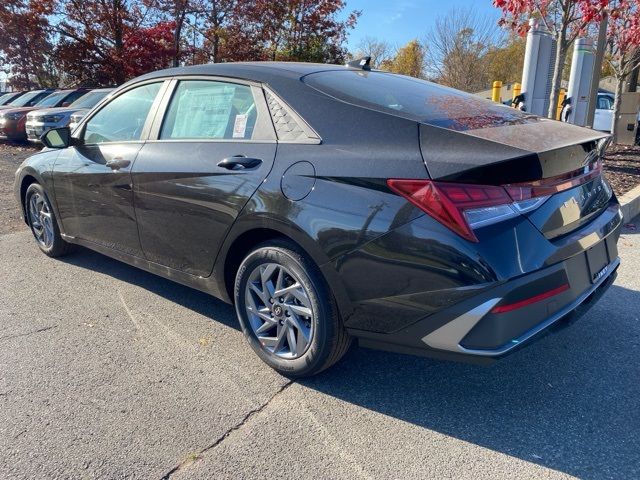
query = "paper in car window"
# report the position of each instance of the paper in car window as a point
(240, 126)
(203, 112)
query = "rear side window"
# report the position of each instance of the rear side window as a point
(415, 99)
(202, 109)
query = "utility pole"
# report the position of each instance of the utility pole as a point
(597, 69)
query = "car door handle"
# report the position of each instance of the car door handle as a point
(239, 162)
(117, 163)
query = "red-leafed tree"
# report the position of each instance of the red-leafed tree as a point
(26, 43)
(148, 49)
(109, 42)
(623, 41)
(565, 19)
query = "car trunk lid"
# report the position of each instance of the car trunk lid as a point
(536, 157)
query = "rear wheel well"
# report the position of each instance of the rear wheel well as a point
(241, 247)
(26, 182)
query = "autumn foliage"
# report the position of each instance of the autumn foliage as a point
(98, 42)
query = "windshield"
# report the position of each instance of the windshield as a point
(52, 100)
(415, 99)
(90, 99)
(4, 98)
(24, 100)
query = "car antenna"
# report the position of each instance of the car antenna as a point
(363, 63)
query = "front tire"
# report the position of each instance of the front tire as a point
(43, 223)
(287, 312)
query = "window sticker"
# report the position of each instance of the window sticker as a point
(203, 112)
(240, 126)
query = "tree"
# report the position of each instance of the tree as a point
(623, 40)
(379, 50)
(174, 12)
(26, 44)
(565, 19)
(409, 60)
(108, 42)
(457, 48)
(505, 62)
(149, 49)
(299, 30)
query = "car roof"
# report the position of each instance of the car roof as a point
(256, 71)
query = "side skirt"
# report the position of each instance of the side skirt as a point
(203, 284)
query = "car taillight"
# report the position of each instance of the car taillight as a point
(462, 207)
(552, 185)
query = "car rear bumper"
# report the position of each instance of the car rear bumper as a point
(449, 340)
(475, 329)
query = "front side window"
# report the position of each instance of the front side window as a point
(210, 110)
(123, 118)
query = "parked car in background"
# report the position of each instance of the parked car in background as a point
(12, 121)
(330, 203)
(604, 112)
(28, 99)
(39, 121)
(9, 97)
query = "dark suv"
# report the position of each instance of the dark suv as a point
(330, 203)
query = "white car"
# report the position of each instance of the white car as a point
(604, 112)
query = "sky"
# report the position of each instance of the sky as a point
(399, 21)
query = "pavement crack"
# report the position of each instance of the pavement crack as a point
(39, 330)
(196, 456)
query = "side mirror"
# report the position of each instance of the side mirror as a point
(66, 104)
(57, 138)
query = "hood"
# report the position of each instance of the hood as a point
(24, 110)
(54, 110)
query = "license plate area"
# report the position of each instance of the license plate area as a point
(599, 257)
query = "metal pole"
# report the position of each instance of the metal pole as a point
(597, 69)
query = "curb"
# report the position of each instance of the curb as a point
(630, 204)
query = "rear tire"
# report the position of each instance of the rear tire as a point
(43, 223)
(287, 312)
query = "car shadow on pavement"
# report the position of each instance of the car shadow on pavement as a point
(568, 402)
(199, 302)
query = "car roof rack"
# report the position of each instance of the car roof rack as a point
(363, 63)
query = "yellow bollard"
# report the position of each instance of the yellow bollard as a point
(561, 96)
(497, 90)
(517, 89)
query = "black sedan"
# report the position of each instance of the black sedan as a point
(332, 203)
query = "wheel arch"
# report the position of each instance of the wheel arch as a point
(251, 232)
(27, 180)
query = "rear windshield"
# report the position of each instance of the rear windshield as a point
(415, 99)
(25, 100)
(90, 99)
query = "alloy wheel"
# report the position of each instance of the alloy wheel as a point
(279, 311)
(41, 220)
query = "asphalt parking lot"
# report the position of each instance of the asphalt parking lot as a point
(110, 372)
